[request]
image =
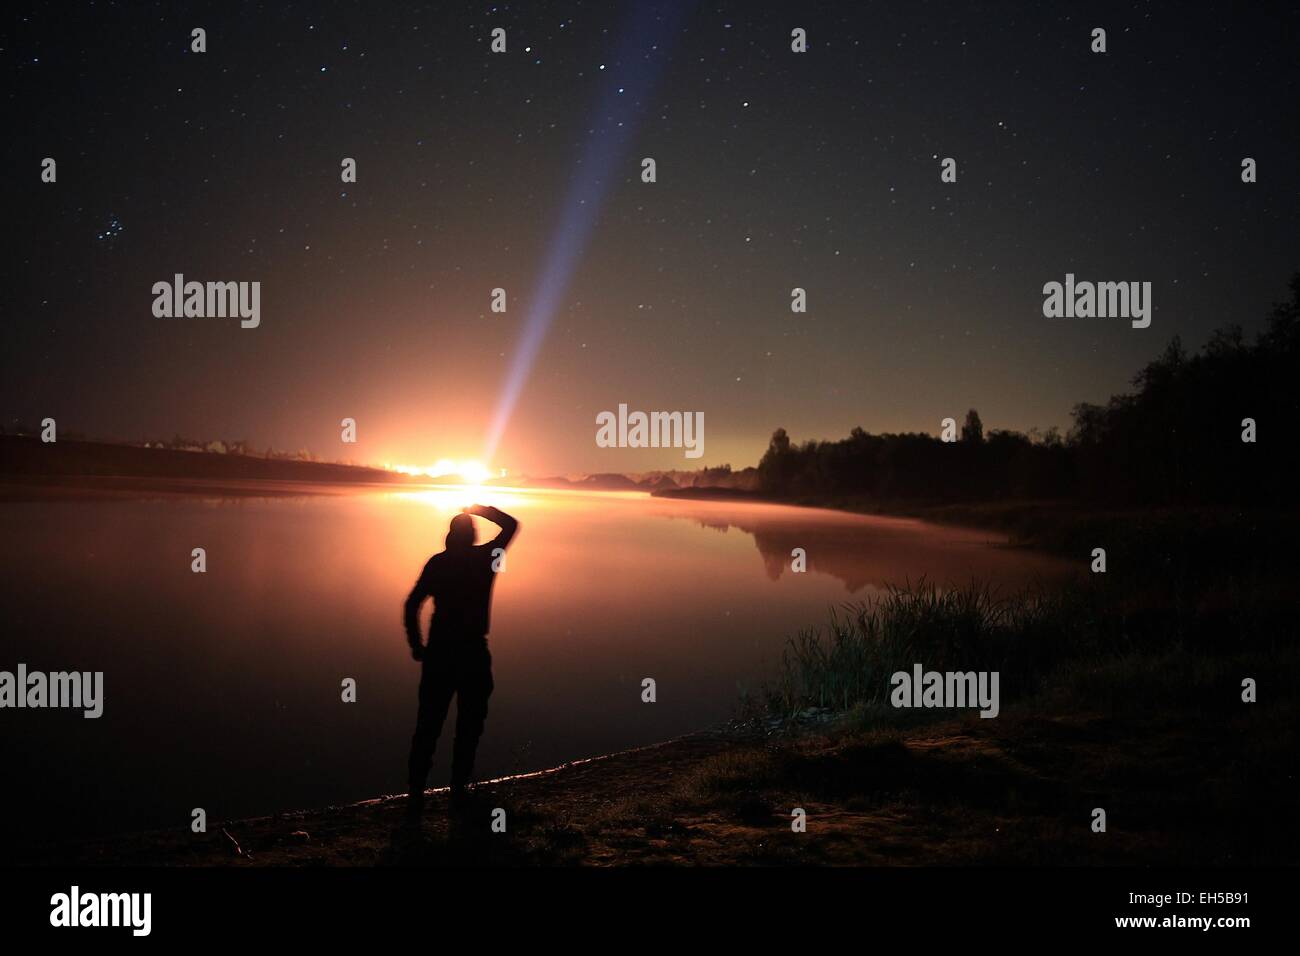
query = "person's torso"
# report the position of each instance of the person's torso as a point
(461, 585)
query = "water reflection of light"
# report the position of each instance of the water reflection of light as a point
(451, 498)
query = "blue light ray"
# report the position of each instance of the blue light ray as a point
(625, 88)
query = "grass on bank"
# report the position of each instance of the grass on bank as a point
(1111, 696)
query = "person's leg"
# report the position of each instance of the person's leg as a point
(473, 689)
(436, 688)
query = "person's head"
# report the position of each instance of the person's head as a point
(461, 533)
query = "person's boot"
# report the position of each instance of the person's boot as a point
(458, 799)
(415, 806)
(461, 799)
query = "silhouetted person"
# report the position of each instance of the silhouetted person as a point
(456, 660)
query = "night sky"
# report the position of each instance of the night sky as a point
(775, 170)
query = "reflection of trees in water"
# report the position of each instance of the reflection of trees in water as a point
(838, 552)
(877, 552)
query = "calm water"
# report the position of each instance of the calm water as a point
(222, 690)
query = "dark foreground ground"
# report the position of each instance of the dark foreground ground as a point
(1214, 786)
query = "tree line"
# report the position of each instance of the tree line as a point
(1206, 428)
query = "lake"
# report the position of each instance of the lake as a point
(222, 690)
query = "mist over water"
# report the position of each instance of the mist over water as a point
(222, 690)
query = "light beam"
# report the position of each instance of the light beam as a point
(627, 84)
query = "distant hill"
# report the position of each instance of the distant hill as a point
(27, 458)
(601, 482)
(655, 482)
(23, 457)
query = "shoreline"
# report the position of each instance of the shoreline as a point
(956, 791)
(285, 837)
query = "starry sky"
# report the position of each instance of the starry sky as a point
(775, 170)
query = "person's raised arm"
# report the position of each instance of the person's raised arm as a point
(411, 614)
(498, 517)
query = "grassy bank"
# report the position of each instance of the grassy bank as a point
(1034, 639)
(1112, 697)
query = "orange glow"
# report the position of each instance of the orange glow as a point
(473, 472)
(450, 499)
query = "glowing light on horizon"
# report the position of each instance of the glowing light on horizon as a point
(473, 472)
